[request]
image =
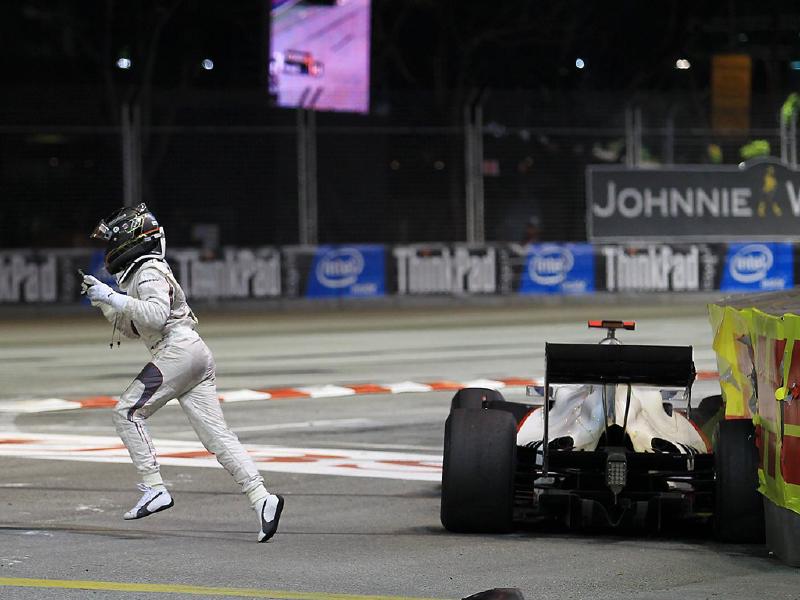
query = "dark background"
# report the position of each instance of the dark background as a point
(216, 151)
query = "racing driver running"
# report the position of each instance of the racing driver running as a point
(154, 309)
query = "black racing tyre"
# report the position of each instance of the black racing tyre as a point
(480, 449)
(708, 414)
(711, 405)
(739, 510)
(473, 398)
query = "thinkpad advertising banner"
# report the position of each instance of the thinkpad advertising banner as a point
(659, 267)
(759, 201)
(235, 273)
(440, 269)
(373, 271)
(28, 277)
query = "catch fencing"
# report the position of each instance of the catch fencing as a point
(239, 173)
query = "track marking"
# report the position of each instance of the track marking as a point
(313, 391)
(302, 425)
(327, 391)
(388, 447)
(197, 590)
(243, 396)
(348, 462)
(42, 405)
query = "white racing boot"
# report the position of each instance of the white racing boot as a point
(154, 500)
(269, 512)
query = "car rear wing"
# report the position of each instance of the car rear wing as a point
(667, 366)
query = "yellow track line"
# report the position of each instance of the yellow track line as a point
(168, 588)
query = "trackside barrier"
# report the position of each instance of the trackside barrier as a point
(358, 271)
(758, 356)
(734, 360)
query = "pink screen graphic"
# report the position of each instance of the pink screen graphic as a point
(319, 54)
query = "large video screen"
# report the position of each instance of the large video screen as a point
(319, 54)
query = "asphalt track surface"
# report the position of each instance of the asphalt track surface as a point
(61, 531)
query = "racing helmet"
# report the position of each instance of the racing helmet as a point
(131, 233)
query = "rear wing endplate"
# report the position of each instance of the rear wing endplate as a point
(668, 366)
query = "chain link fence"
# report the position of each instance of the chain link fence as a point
(241, 180)
(52, 180)
(396, 176)
(390, 184)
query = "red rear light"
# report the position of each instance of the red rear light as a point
(608, 324)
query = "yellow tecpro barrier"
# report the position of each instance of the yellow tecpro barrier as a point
(758, 356)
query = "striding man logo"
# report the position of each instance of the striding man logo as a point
(767, 198)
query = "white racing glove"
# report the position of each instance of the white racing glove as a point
(99, 293)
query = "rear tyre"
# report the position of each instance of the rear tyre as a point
(739, 514)
(478, 471)
(708, 414)
(473, 398)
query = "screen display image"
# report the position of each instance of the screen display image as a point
(319, 54)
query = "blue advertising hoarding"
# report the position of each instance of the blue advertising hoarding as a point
(758, 266)
(347, 271)
(97, 268)
(558, 269)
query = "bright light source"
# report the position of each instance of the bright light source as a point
(123, 63)
(795, 65)
(207, 64)
(579, 63)
(683, 64)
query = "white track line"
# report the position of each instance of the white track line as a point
(303, 425)
(315, 461)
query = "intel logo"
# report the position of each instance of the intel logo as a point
(340, 268)
(751, 263)
(549, 264)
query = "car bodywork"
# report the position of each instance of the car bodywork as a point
(610, 450)
(613, 439)
(578, 420)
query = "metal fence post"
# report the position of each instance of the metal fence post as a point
(306, 176)
(628, 137)
(311, 174)
(480, 224)
(633, 136)
(302, 193)
(468, 175)
(473, 160)
(637, 135)
(131, 140)
(669, 138)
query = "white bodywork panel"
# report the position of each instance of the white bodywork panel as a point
(578, 412)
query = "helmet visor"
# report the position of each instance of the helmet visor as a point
(101, 232)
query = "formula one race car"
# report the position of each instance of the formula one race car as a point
(300, 62)
(612, 441)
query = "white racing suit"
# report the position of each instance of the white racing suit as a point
(182, 367)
